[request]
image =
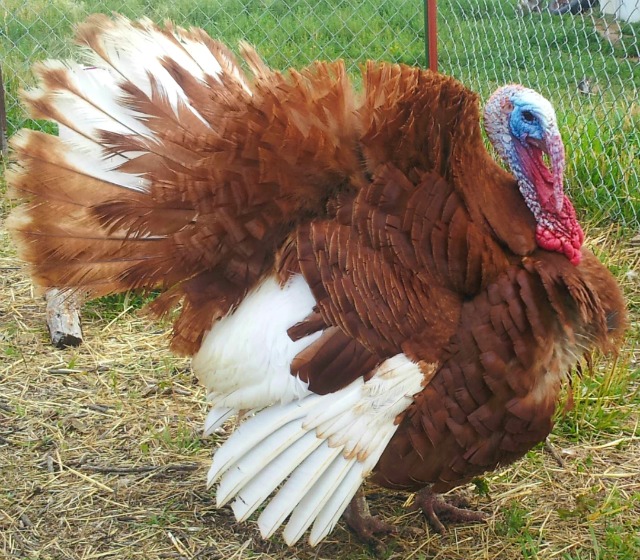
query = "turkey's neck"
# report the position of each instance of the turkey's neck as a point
(556, 230)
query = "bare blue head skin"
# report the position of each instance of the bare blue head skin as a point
(522, 126)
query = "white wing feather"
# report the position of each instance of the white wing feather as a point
(245, 359)
(323, 445)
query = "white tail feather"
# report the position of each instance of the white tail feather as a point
(209, 64)
(89, 101)
(122, 42)
(80, 163)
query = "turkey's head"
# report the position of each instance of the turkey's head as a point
(522, 127)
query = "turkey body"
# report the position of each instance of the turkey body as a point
(356, 271)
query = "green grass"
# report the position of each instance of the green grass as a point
(603, 402)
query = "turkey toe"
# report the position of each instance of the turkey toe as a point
(438, 511)
(364, 525)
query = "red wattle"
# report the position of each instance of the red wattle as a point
(561, 233)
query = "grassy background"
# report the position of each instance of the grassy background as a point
(100, 448)
(485, 43)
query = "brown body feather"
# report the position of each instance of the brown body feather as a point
(411, 238)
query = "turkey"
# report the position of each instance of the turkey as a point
(354, 273)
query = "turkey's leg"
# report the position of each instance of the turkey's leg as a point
(437, 510)
(365, 525)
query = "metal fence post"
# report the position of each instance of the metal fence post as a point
(431, 34)
(3, 119)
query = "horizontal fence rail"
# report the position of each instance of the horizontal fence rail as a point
(584, 57)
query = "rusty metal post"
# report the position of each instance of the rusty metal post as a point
(431, 34)
(3, 120)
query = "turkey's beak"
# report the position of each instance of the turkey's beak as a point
(552, 145)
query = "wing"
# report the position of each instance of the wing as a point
(321, 447)
(392, 269)
(176, 170)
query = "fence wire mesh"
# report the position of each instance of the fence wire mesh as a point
(587, 63)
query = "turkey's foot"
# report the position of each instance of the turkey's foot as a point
(366, 526)
(437, 510)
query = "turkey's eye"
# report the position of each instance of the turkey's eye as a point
(528, 116)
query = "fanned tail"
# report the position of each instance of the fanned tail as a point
(173, 170)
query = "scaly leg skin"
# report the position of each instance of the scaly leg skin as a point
(365, 525)
(437, 510)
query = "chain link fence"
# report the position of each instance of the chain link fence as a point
(586, 62)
